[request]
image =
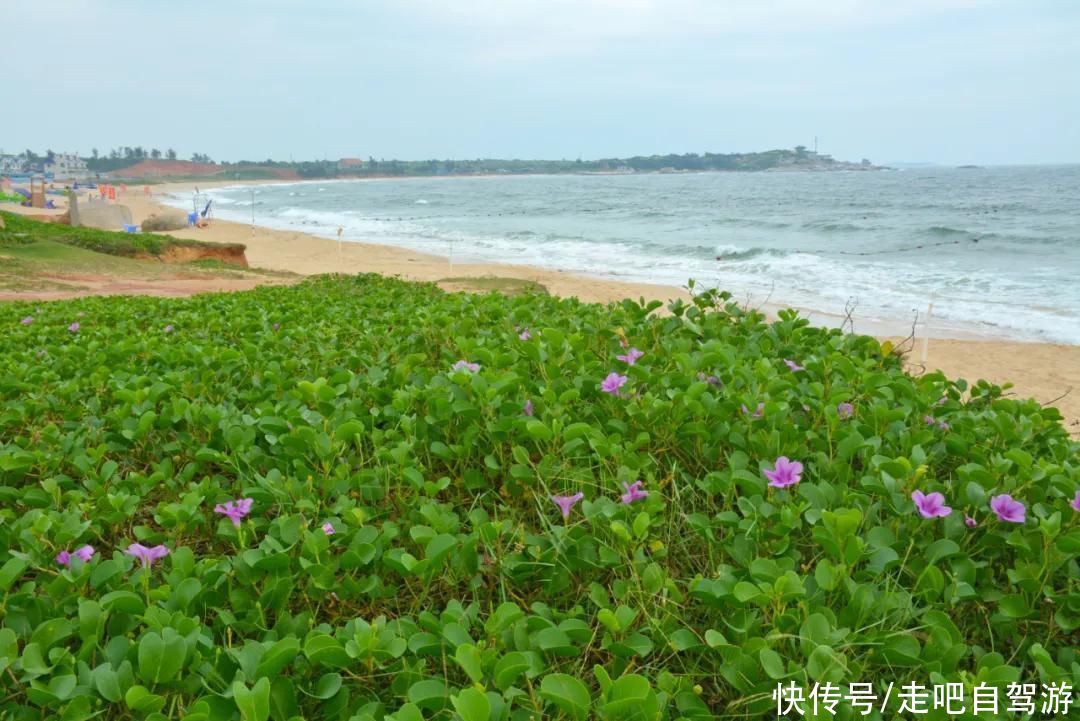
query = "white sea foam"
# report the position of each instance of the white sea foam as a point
(808, 256)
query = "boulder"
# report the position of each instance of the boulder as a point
(99, 215)
(166, 221)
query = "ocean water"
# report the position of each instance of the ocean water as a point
(996, 250)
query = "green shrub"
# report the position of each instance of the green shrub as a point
(451, 585)
(100, 241)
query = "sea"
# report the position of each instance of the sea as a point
(963, 252)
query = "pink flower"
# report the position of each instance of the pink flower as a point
(711, 380)
(235, 510)
(84, 554)
(74, 327)
(1008, 509)
(27, 320)
(929, 420)
(795, 367)
(631, 356)
(931, 505)
(845, 410)
(463, 365)
(565, 503)
(328, 528)
(970, 522)
(633, 492)
(758, 413)
(169, 328)
(613, 383)
(525, 334)
(785, 473)
(1075, 503)
(528, 409)
(147, 555)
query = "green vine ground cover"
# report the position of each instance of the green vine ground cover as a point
(334, 501)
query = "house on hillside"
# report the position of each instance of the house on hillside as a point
(63, 166)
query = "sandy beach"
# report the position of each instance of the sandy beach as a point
(1044, 371)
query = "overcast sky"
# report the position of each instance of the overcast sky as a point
(948, 81)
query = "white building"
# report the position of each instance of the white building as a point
(10, 165)
(66, 167)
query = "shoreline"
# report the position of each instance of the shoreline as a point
(1038, 369)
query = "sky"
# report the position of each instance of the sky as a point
(942, 81)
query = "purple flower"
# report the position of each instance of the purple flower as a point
(169, 328)
(631, 356)
(845, 410)
(525, 334)
(757, 413)
(929, 420)
(942, 425)
(463, 365)
(785, 473)
(1007, 509)
(27, 320)
(74, 327)
(795, 367)
(633, 492)
(711, 380)
(565, 503)
(930, 505)
(235, 510)
(328, 528)
(1075, 503)
(84, 554)
(147, 555)
(970, 522)
(276, 326)
(943, 400)
(528, 409)
(613, 383)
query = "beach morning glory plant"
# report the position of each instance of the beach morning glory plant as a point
(631, 357)
(528, 408)
(84, 554)
(566, 503)
(930, 505)
(328, 528)
(795, 367)
(845, 410)
(613, 383)
(634, 492)
(74, 327)
(1075, 503)
(235, 510)
(463, 365)
(148, 555)
(785, 473)
(1008, 509)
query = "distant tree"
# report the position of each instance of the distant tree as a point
(800, 150)
(155, 154)
(114, 154)
(129, 152)
(94, 153)
(170, 154)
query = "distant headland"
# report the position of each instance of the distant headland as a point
(129, 163)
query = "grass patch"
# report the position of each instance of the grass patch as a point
(491, 283)
(228, 269)
(20, 230)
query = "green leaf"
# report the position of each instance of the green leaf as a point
(430, 694)
(567, 694)
(254, 703)
(161, 655)
(472, 705)
(468, 657)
